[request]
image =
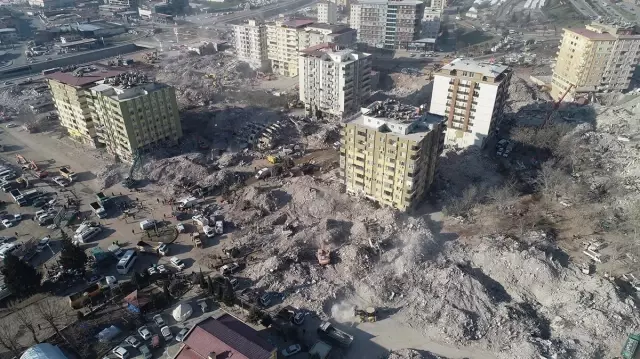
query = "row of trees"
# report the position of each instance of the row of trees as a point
(24, 280)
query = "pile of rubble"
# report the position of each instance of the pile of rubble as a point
(514, 298)
(523, 93)
(199, 79)
(412, 354)
(111, 174)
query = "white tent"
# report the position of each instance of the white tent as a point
(182, 312)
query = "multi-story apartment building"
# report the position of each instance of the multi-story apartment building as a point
(431, 23)
(327, 12)
(387, 24)
(317, 33)
(389, 153)
(282, 45)
(598, 58)
(251, 43)
(285, 40)
(341, 3)
(471, 95)
(132, 114)
(51, 4)
(438, 4)
(334, 82)
(71, 97)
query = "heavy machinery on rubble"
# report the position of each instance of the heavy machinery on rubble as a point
(369, 314)
(631, 348)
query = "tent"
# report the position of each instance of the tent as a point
(182, 312)
(43, 351)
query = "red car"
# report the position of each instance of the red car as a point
(42, 174)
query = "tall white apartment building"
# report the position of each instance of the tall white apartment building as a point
(387, 24)
(598, 58)
(251, 43)
(471, 95)
(334, 82)
(285, 40)
(431, 23)
(438, 4)
(327, 12)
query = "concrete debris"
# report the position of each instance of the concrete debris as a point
(523, 93)
(111, 174)
(516, 298)
(413, 354)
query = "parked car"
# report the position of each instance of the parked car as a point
(147, 224)
(162, 269)
(158, 320)
(146, 352)
(291, 350)
(166, 333)
(265, 299)
(7, 223)
(44, 242)
(163, 249)
(176, 262)
(180, 227)
(181, 334)
(120, 352)
(145, 333)
(152, 270)
(133, 341)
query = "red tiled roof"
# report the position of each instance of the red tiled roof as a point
(86, 79)
(225, 335)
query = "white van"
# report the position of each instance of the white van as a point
(87, 234)
(147, 224)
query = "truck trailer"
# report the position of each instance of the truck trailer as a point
(335, 335)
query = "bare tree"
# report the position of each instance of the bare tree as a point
(27, 318)
(9, 336)
(552, 181)
(54, 313)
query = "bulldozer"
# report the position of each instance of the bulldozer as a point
(369, 314)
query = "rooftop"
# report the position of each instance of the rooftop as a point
(390, 2)
(334, 51)
(592, 35)
(7, 29)
(86, 78)
(484, 68)
(405, 121)
(296, 23)
(227, 335)
(78, 42)
(125, 86)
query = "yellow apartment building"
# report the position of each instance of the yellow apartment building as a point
(71, 97)
(597, 58)
(389, 153)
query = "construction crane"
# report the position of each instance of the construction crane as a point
(556, 105)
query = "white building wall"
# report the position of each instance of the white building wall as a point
(439, 95)
(327, 12)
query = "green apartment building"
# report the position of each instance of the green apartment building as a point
(132, 114)
(389, 153)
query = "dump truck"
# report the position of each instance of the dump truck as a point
(368, 314)
(337, 336)
(98, 209)
(67, 173)
(631, 348)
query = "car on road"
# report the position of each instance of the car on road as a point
(120, 352)
(60, 181)
(176, 262)
(166, 333)
(133, 341)
(228, 269)
(181, 334)
(44, 242)
(11, 125)
(7, 223)
(158, 320)
(145, 333)
(291, 350)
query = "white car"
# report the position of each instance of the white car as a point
(17, 217)
(145, 333)
(60, 181)
(147, 224)
(176, 262)
(43, 243)
(163, 249)
(11, 125)
(262, 173)
(291, 350)
(120, 352)
(162, 269)
(209, 231)
(201, 220)
(180, 227)
(7, 223)
(133, 341)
